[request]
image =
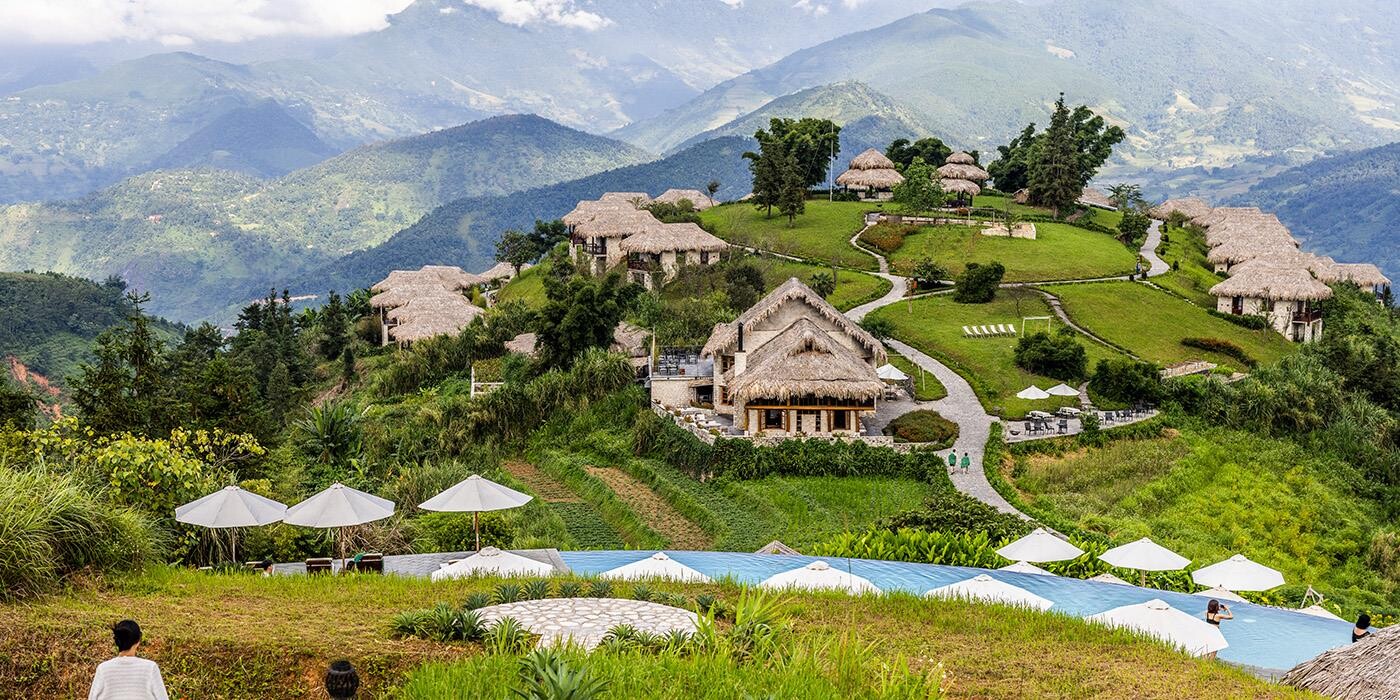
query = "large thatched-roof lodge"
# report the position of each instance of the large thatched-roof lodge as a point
(1364, 670)
(606, 231)
(418, 304)
(665, 248)
(793, 364)
(871, 174)
(1287, 296)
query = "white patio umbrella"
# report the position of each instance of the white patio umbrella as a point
(337, 507)
(1108, 578)
(891, 373)
(818, 576)
(1040, 545)
(1025, 567)
(656, 566)
(231, 507)
(1144, 555)
(475, 494)
(1157, 619)
(1033, 393)
(1319, 611)
(1238, 573)
(492, 561)
(1221, 594)
(985, 588)
(1062, 390)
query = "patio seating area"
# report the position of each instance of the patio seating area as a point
(1068, 420)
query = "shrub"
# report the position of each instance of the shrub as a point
(1383, 554)
(928, 274)
(508, 593)
(955, 513)
(1220, 346)
(453, 532)
(1127, 381)
(600, 588)
(477, 600)
(570, 589)
(923, 426)
(1132, 228)
(978, 283)
(545, 675)
(536, 590)
(507, 636)
(1253, 322)
(641, 592)
(878, 326)
(1056, 355)
(886, 237)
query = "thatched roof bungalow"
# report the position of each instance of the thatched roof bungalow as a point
(1364, 275)
(1096, 198)
(960, 187)
(1364, 670)
(673, 238)
(804, 361)
(700, 200)
(636, 199)
(1274, 284)
(871, 172)
(447, 276)
(725, 337)
(444, 307)
(960, 158)
(962, 171)
(1242, 248)
(959, 175)
(400, 295)
(1189, 207)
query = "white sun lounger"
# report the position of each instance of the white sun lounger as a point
(967, 331)
(1006, 330)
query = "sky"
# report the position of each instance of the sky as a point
(176, 23)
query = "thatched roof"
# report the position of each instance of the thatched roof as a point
(448, 276)
(1365, 670)
(725, 335)
(962, 186)
(423, 329)
(1222, 214)
(871, 159)
(524, 344)
(616, 223)
(398, 296)
(502, 271)
(804, 361)
(1245, 224)
(1287, 260)
(1190, 207)
(961, 158)
(630, 339)
(699, 199)
(452, 276)
(960, 171)
(870, 170)
(1244, 248)
(1263, 282)
(1096, 198)
(453, 307)
(1363, 275)
(777, 547)
(671, 238)
(634, 198)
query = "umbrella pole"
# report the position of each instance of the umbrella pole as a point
(1142, 578)
(476, 527)
(233, 546)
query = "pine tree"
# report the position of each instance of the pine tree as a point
(1055, 176)
(347, 365)
(766, 166)
(335, 327)
(792, 195)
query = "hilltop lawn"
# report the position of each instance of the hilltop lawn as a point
(1192, 277)
(926, 386)
(1059, 252)
(935, 327)
(528, 287)
(822, 234)
(1151, 323)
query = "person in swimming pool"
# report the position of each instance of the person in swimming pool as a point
(1215, 612)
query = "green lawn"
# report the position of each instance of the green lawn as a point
(935, 327)
(1151, 323)
(823, 233)
(528, 287)
(852, 288)
(926, 386)
(1192, 277)
(804, 510)
(1210, 493)
(1059, 252)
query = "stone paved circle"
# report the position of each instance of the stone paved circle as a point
(586, 620)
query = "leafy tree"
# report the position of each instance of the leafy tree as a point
(823, 283)
(680, 212)
(1133, 226)
(1125, 196)
(1054, 181)
(334, 324)
(978, 283)
(1127, 381)
(1011, 171)
(18, 409)
(930, 149)
(928, 274)
(330, 434)
(711, 189)
(1094, 140)
(878, 326)
(516, 248)
(547, 234)
(920, 191)
(126, 390)
(1056, 355)
(792, 196)
(814, 143)
(581, 313)
(1090, 142)
(743, 285)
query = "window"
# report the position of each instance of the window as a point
(773, 418)
(704, 257)
(839, 420)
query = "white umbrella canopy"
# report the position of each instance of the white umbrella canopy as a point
(1062, 390)
(1040, 545)
(656, 566)
(1033, 393)
(819, 576)
(1238, 573)
(1319, 611)
(987, 589)
(339, 506)
(492, 561)
(1109, 578)
(231, 507)
(1157, 619)
(1144, 555)
(891, 373)
(474, 495)
(1025, 567)
(1221, 594)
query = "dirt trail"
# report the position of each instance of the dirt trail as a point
(541, 484)
(654, 510)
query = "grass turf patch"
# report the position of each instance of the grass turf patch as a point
(528, 287)
(823, 233)
(934, 324)
(1059, 252)
(805, 510)
(926, 386)
(1151, 324)
(925, 427)
(1191, 277)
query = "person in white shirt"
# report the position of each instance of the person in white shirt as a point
(127, 677)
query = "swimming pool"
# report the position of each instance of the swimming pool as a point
(1269, 638)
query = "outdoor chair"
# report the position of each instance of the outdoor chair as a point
(319, 565)
(368, 562)
(966, 331)
(1006, 330)
(1064, 426)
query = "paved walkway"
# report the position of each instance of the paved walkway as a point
(586, 621)
(1149, 250)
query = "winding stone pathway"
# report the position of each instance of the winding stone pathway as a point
(586, 621)
(1158, 266)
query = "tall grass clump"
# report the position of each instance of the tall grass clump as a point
(53, 526)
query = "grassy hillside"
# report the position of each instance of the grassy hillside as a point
(202, 240)
(262, 140)
(1059, 251)
(823, 233)
(1152, 324)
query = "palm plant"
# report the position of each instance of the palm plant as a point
(330, 433)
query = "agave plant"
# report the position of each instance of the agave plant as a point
(469, 626)
(705, 602)
(545, 675)
(410, 623)
(508, 593)
(536, 589)
(477, 600)
(570, 589)
(641, 592)
(600, 589)
(330, 433)
(507, 636)
(440, 624)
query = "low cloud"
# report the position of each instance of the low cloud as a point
(564, 13)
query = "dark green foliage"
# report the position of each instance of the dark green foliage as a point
(536, 590)
(516, 249)
(330, 434)
(641, 592)
(544, 674)
(954, 513)
(581, 313)
(1221, 346)
(812, 143)
(1011, 171)
(823, 283)
(924, 427)
(600, 588)
(333, 321)
(507, 593)
(1057, 355)
(1057, 164)
(1132, 228)
(126, 389)
(743, 284)
(887, 237)
(570, 589)
(681, 212)
(477, 600)
(1253, 322)
(441, 623)
(455, 532)
(878, 326)
(1127, 381)
(547, 234)
(1054, 176)
(792, 192)
(766, 166)
(18, 408)
(978, 283)
(928, 274)
(920, 191)
(507, 636)
(930, 149)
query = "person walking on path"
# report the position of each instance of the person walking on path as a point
(966, 461)
(952, 460)
(127, 677)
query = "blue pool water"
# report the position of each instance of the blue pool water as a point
(1259, 636)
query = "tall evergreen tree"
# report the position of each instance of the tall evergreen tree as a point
(1055, 178)
(334, 324)
(766, 166)
(792, 195)
(127, 389)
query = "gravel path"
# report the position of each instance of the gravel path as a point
(586, 621)
(1149, 250)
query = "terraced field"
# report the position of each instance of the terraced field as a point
(654, 510)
